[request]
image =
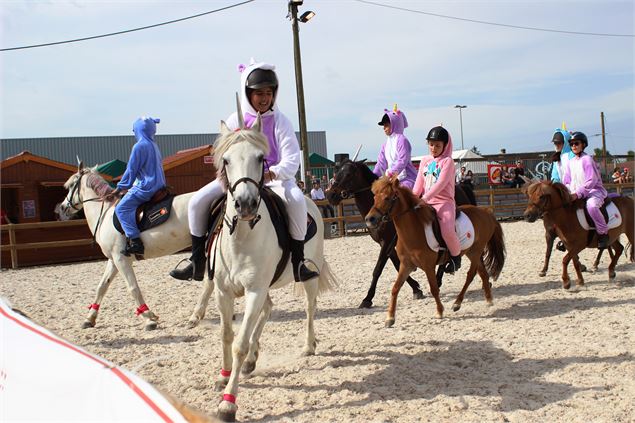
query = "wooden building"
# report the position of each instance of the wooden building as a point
(188, 170)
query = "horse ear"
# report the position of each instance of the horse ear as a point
(257, 124)
(224, 129)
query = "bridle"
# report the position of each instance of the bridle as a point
(385, 216)
(76, 189)
(232, 188)
(346, 194)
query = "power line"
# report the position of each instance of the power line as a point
(530, 28)
(128, 30)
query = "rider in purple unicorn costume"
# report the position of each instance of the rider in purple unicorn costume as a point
(143, 178)
(584, 181)
(395, 155)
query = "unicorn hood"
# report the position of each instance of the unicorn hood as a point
(244, 73)
(566, 148)
(398, 121)
(145, 128)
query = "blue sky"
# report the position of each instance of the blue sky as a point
(357, 59)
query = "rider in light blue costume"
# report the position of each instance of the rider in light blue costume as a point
(560, 159)
(143, 178)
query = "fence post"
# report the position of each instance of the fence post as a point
(340, 221)
(491, 198)
(14, 251)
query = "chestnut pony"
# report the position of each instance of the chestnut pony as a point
(410, 216)
(552, 201)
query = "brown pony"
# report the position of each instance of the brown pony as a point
(410, 215)
(553, 201)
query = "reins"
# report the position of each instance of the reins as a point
(76, 188)
(259, 186)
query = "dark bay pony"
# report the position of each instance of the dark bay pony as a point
(410, 216)
(354, 179)
(552, 201)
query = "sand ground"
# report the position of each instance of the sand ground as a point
(539, 354)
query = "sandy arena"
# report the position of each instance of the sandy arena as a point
(539, 354)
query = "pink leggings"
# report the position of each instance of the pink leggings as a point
(446, 215)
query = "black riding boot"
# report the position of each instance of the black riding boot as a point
(453, 264)
(603, 241)
(133, 246)
(196, 269)
(300, 272)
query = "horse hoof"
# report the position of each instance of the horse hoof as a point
(418, 295)
(366, 304)
(612, 275)
(248, 367)
(192, 323)
(389, 323)
(227, 415)
(542, 273)
(88, 324)
(151, 326)
(308, 352)
(456, 307)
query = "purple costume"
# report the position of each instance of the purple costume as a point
(395, 155)
(583, 179)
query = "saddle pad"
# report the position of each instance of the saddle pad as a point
(615, 218)
(153, 214)
(464, 230)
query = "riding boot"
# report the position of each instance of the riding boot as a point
(300, 271)
(133, 246)
(196, 269)
(453, 264)
(603, 241)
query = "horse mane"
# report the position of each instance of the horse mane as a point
(366, 172)
(94, 181)
(225, 141)
(424, 211)
(562, 191)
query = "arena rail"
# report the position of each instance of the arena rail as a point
(505, 203)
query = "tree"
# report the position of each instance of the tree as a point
(597, 152)
(631, 154)
(474, 149)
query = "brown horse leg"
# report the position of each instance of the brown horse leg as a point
(619, 248)
(578, 271)
(434, 289)
(566, 282)
(550, 236)
(487, 285)
(404, 270)
(468, 280)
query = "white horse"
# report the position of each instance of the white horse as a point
(246, 259)
(86, 190)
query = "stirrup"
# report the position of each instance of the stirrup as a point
(311, 273)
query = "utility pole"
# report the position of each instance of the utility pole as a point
(304, 143)
(606, 171)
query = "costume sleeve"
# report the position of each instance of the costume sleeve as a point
(419, 182)
(591, 177)
(289, 149)
(132, 168)
(446, 177)
(403, 156)
(380, 166)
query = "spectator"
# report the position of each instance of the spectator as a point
(300, 184)
(318, 194)
(626, 176)
(468, 179)
(617, 176)
(519, 172)
(460, 175)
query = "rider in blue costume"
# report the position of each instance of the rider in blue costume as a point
(143, 178)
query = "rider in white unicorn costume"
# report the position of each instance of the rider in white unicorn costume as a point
(395, 155)
(143, 178)
(259, 88)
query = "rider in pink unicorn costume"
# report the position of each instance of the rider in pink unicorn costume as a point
(395, 155)
(584, 181)
(435, 180)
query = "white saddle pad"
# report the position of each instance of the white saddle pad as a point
(615, 218)
(464, 230)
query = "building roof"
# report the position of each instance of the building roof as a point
(317, 160)
(113, 168)
(26, 156)
(183, 156)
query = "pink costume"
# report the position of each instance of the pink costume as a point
(435, 180)
(583, 179)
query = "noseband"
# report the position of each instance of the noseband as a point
(259, 186)
(385, 216)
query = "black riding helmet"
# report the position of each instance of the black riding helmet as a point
(262, 78)
(579, 136)
(438, 133)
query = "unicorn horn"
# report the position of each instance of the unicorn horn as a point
(564, 126)
(241, 118)
(394, 109)
(357, 152)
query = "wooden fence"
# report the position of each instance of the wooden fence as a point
(28, 244)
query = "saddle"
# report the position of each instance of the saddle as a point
(279, 218)
(463, 227)
(610, 213)
(151, 213)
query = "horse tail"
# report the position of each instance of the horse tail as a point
(631, 247)
(494, 256)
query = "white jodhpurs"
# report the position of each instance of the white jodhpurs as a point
(199, 207)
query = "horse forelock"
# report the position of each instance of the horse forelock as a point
(225, 141)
